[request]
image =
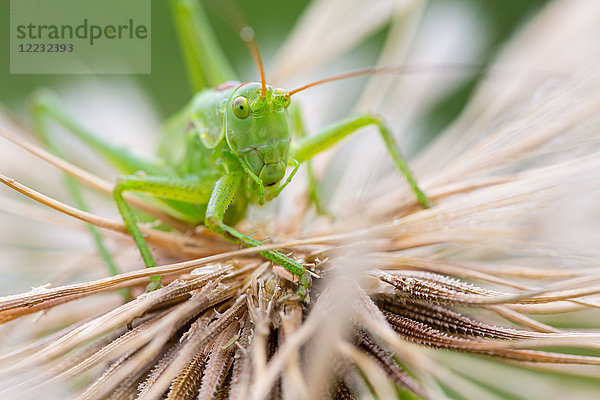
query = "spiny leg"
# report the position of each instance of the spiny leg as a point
(292, 162)
(190, 191)
(206, 63)
(45, 104)
(222, 196)
(313, 187)
(76, 194)
(313, 145)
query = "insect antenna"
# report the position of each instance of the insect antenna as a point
(235, 19)
(478, 69)
(247, 35)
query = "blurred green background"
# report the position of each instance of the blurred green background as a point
(272, 20)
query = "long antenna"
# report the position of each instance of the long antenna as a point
(396, 69)
(236, 21)
(247, 35)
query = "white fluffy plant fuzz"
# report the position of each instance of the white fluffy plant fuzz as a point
(497, 282)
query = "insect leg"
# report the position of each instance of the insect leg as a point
(206, 63)
(45, 104)
(159, 186)
(42, 128)
(293, 163)
(221, 198)
(312, 145)
(313, 186)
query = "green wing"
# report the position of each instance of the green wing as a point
(204, 115)
(207, 116)
(209, 123)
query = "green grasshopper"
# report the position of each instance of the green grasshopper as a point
(230, 146)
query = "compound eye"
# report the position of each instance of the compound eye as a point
(241, 109)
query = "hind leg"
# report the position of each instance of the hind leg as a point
(42, 117)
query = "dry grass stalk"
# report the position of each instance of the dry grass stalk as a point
(395, 284)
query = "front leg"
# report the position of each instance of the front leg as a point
(221, 198)
(313, 188)
(311, 146)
